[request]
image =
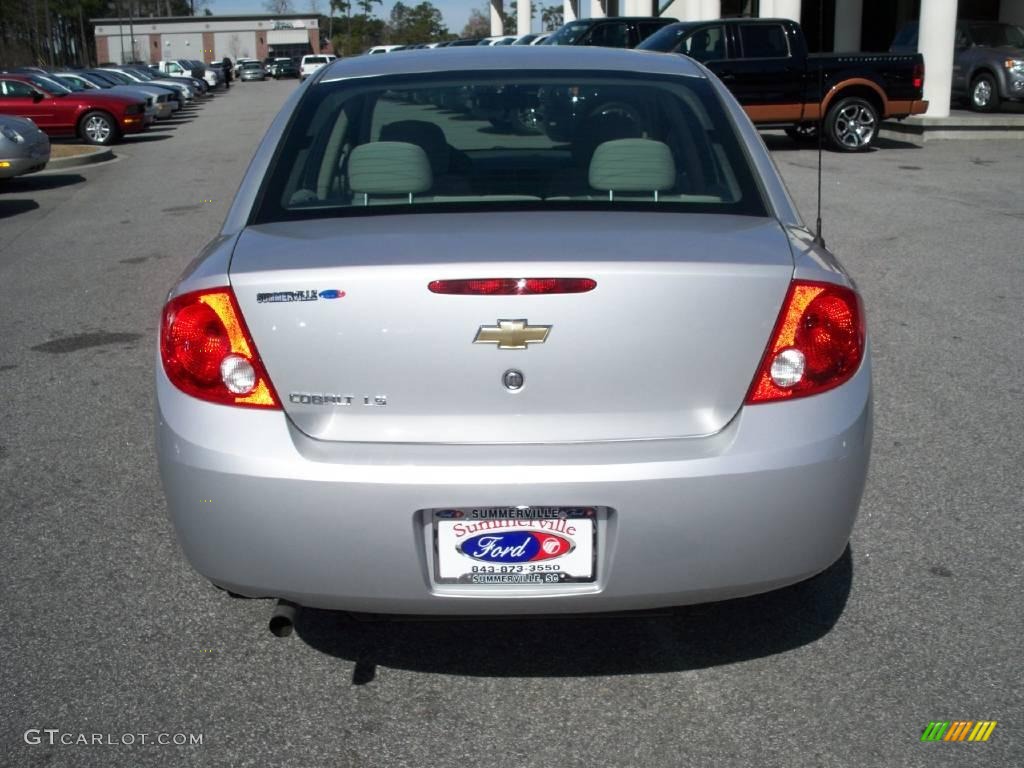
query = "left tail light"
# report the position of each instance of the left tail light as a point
(817, 344)
(207, 351)
(919, 75)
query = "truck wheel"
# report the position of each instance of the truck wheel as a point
(98, 128)
(984, 95)
(804, 133)
(851, 124)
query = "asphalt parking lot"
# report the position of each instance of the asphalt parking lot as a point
(106, 630)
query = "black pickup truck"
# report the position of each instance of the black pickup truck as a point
(765, 63)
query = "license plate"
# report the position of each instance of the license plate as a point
(515, 546)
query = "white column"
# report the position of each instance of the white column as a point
(710, 9)
(848, 17)
(597, 9)
(569, 12)
(782, 9)
(523, 17)
(935, 41)
(497, 22)
(637, 8)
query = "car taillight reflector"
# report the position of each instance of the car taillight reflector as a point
(207, 351)
(513, 286)
(817, 344)
(919, 75)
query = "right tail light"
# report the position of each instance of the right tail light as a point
(817, 343)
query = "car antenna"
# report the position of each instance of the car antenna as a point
(818, 239)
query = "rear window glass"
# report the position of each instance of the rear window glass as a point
(763, 41)
(315, 60)
(422, 144)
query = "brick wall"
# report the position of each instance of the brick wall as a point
(208, 51)
(102, 49)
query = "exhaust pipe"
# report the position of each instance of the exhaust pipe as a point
(283, 618)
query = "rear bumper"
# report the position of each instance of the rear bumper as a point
(902, 109)
(265, 511)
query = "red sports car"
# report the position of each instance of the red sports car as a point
(98, 118)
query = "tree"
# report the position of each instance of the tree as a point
(278, 7)
(422, 23)
(361, 33)
(59, 32)
(366, 6)
(552, 17)
(477, 26)
(512, 18)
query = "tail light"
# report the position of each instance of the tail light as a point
(919, 75)
(817, 344)
(207, 351)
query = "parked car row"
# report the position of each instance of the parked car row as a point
(97, 105)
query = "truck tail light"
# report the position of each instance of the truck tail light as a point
(919, 75)
(817, 344)
(207, 351)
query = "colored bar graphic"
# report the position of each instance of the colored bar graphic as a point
(935, 731)
(982, 730)
(958, 730)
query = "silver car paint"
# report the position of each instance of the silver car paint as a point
(691, 318)
(26, 156)
(767, 500)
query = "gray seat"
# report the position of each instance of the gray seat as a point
(625, 166)
(449, 166)
(427, 136)
(389, 168)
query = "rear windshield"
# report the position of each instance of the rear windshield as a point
(419, 144)
(315, 60)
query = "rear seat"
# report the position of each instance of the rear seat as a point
(393, 170)
(431, 139)
(633, 167)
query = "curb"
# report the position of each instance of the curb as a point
(98, 155)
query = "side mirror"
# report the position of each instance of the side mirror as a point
(37, 96)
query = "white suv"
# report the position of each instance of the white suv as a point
(312, 63)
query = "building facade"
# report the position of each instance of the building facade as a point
(206, 38)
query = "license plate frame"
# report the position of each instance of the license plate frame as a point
(570, 559)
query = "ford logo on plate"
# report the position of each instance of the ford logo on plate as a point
(515, 547)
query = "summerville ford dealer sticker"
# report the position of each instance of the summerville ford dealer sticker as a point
(515, 545)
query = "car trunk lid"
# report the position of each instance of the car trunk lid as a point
(665, 345)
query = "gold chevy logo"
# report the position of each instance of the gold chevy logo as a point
(512, 334)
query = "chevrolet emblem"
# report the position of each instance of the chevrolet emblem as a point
(512, 334)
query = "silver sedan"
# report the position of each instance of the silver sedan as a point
(588, 361)
(23, 147)
(253, 70)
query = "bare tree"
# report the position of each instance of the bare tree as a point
(278, 7)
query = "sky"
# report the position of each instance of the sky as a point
(455, 12)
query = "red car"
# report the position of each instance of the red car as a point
(96, 117)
